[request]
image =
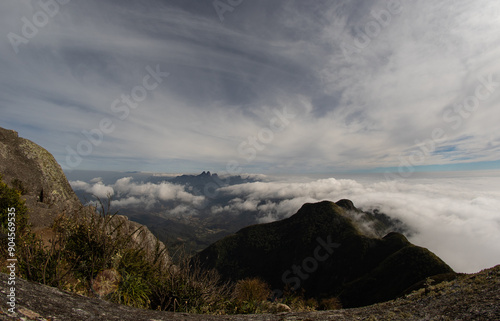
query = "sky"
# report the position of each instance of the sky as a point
(254, 86)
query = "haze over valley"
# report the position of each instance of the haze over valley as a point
(441, 211)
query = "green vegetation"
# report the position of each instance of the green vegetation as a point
(18, 186)
(10, 198)
(363, 270)
(251, 290)
(88, 252)
(90, 255)
(250, 295)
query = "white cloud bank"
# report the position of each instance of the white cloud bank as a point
(96, 188)
(125, 192)
(458, 218)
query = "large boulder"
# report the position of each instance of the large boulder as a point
(33, 170)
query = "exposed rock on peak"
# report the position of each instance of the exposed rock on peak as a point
(141, 236)
(48, 193)
(346, 204)
(34, 170)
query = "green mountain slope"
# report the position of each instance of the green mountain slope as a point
(322, 251)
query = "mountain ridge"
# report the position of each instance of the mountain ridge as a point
(359, 270)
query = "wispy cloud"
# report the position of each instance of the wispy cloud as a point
(226, 78)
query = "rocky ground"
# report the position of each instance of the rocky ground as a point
(469, 297)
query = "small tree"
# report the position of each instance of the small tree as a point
(10, 202)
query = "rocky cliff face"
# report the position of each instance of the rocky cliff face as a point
(34, 170)
(48, 194)
(141, 236)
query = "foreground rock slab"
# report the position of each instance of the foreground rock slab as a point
(469, 297)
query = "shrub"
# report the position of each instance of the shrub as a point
(330, 304)
(93, 240)
(106, 282)
(39, 263)
(251, 290)
(91, 254)
(18, 185)
(135, 261)
(86, 252)
(311, 304)
(10, 198)
(133, 291)
(297, 301)
(187, 287)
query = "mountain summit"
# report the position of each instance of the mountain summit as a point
(324, 252)
(34, 172)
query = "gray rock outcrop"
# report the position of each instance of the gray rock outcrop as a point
(469, 297)
(34, 170)
(48, 194)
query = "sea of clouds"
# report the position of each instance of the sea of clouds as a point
(457, 216)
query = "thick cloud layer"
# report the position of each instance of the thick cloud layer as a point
(458, 219)
(126, 193)
(455, 215)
